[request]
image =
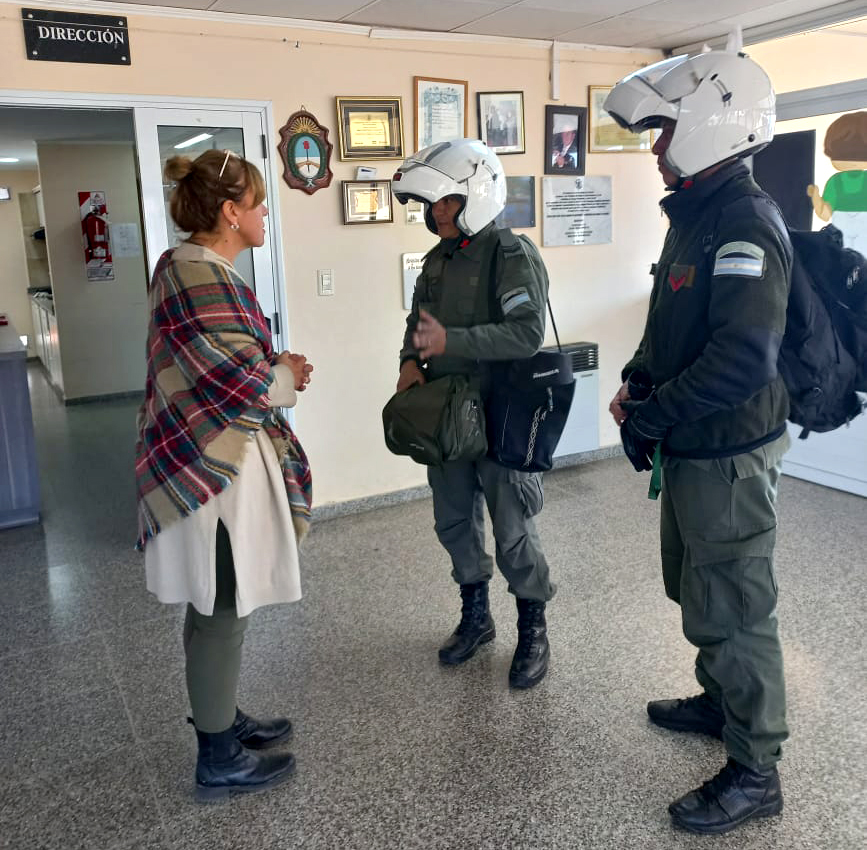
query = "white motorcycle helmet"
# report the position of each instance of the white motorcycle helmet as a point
(465, 167)
(722, 102)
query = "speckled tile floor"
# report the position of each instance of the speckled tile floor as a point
(393, 750)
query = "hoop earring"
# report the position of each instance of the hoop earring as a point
(234, 226)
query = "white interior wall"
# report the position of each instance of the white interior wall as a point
(14, 300)
(101, 324)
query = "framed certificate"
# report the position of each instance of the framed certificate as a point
(370, 127)
(606, 135)
(366, 201)
(440, 111)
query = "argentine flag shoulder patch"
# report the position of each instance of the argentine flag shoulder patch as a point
(740, 258)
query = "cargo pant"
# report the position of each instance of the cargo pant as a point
(460, 490)
(718, 529)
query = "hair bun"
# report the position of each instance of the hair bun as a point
(178, 167)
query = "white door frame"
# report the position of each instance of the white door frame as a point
(89, 100)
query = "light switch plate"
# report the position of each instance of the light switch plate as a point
(325, 281)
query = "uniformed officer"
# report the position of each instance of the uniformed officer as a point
(706, 369)
(449, 331)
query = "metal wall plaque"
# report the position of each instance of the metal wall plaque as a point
(72, 37)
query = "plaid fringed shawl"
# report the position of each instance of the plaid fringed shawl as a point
(209, 370)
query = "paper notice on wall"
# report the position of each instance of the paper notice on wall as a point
(125, 241)
(577, 210)
(412, 264)
(93, 209)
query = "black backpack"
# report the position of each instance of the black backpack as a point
(823, 356)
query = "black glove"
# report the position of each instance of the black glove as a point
(640, 385)
(644, 427)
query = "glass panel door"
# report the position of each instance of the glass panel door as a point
(167, 132)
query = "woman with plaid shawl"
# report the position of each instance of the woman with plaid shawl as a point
(223, 484)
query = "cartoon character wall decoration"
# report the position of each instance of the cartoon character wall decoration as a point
(844, 200)
(95, 235)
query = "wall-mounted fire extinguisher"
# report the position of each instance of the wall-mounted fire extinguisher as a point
(95, 236)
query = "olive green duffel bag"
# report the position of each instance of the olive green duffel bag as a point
(437, 421)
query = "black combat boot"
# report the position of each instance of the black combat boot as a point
(736, 794)
(224, 767)
(693, 714)
(259, 734)
(530, 661)
(475, 628)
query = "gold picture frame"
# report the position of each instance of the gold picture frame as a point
(605, 135)
(370, 127)
(367, 202)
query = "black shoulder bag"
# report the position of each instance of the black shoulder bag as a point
(527, 401)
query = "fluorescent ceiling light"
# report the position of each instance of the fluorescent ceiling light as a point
(9, 159)
(195, 140)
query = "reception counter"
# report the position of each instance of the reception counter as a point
(19, 481)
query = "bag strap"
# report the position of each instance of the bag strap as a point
(505, 238)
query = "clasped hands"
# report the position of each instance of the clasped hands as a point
(301, 369)
(642, 423)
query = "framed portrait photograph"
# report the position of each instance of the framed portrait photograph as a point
(367, 201)
(605, 135)
(440, 111)
(370, 127)
(520, 209)
(565, 134)
(501, 120)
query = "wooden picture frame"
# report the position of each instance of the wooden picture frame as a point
(565, 139)
(440, 110)
(367, 202)
(501, 120)
(605, 135)
(370, 127)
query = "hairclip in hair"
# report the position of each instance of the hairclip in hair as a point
(225, 161)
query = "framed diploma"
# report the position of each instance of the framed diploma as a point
(440, 111)
(370, 127)
(366, 201)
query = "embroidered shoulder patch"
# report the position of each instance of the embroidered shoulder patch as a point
(512, 299)
(740, 258)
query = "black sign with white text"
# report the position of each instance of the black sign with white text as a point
(71, 37)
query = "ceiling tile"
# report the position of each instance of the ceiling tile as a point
(198, 5)
(524, 22)
(320, 10)
(697, 11)
(443, 15)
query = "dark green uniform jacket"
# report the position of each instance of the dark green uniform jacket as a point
(716, 319)
(453, 287)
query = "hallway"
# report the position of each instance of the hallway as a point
(393, 750)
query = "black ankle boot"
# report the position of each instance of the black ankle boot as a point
(693, 714)
(475, 628)
(530, 662)
(736, 794)
(224, 767)
(259, 734)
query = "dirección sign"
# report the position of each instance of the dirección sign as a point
(71, 37)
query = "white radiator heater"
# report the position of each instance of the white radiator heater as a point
(581, 433)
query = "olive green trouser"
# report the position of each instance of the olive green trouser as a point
(213, 649)
(460, 490)
(718, 528)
